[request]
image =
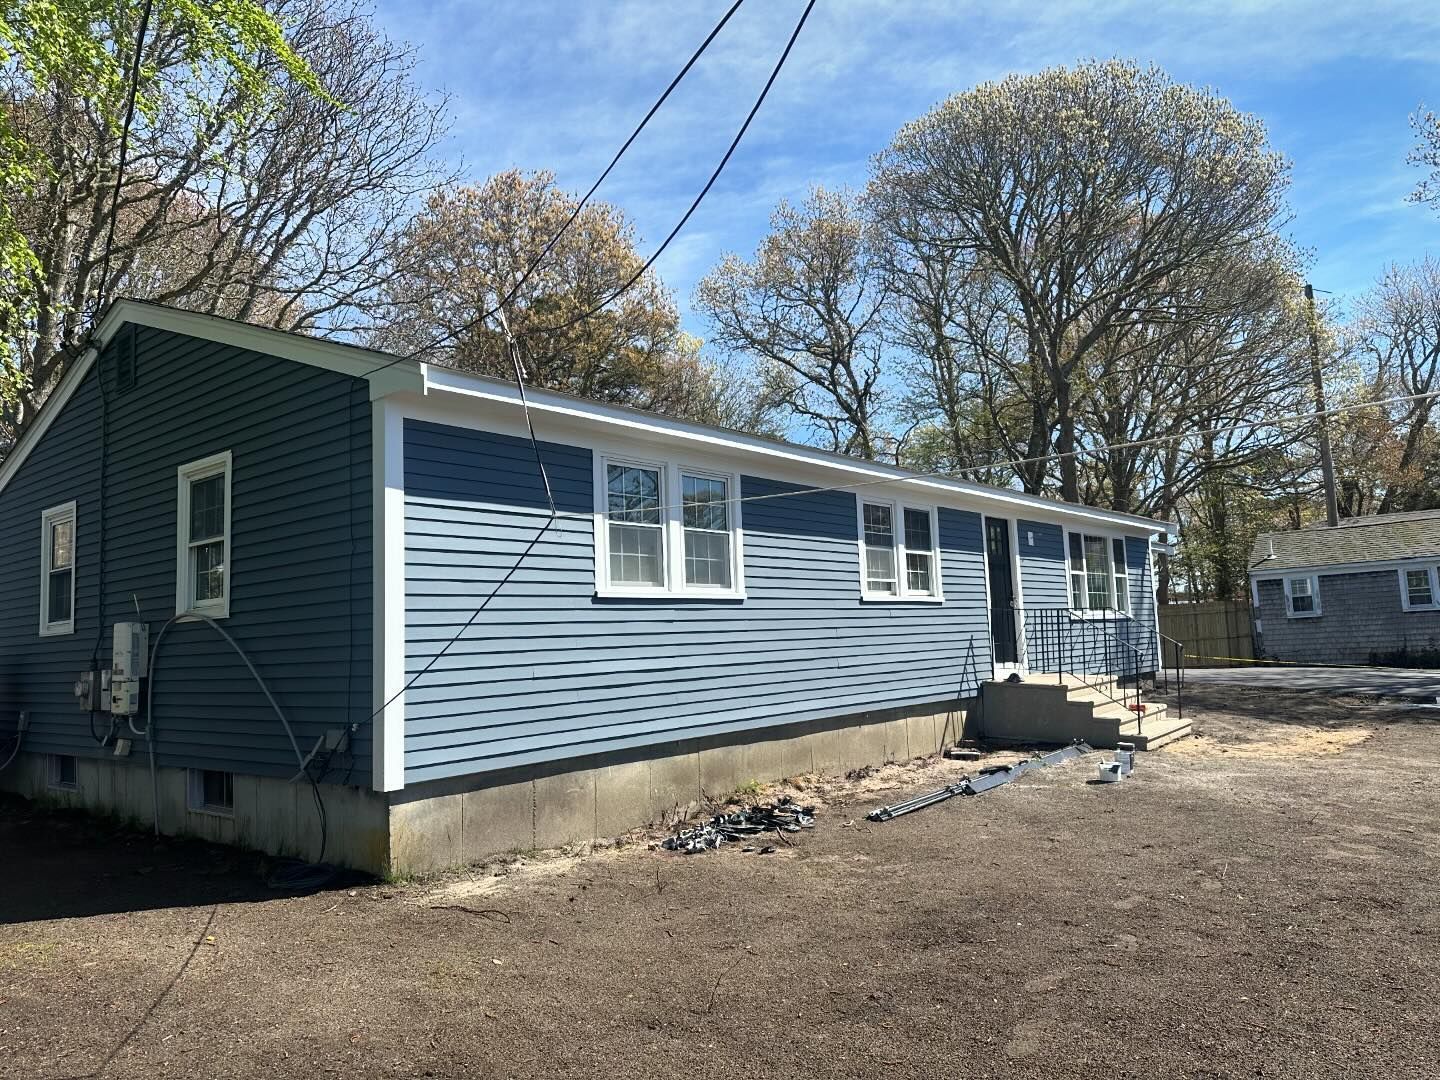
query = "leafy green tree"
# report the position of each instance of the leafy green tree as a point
(85, 49)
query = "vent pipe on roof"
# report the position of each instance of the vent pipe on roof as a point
(1272, 547)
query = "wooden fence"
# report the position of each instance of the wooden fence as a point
(1212, 628)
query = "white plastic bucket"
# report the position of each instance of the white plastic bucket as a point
(1110, 772)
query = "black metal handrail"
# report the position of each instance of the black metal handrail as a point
(1088, 647)
(1178, 651)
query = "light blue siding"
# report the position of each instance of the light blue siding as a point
(300, 582)
(1045, 585)
(550, 671)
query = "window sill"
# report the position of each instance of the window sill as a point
(1077, 613)
(212, 811)
(1303, 614)
(62, 787)
(1420, 607)
(58, 630)
(209, 613)
(667, 594)
(889, 598)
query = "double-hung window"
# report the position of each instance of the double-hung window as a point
(1302, 597)
(666, 529)
(1420, 588)
(202, 553)
(57, 570)
(1099, 580)
(705, 511)
(898, 552)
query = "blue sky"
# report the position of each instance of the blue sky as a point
(555, 85)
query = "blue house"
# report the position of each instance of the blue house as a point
(294, 594)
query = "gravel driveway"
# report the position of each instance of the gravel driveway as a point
(1407, 683)
(1257, 901)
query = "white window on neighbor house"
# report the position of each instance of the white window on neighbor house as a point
(1419, 588)
(1302, 596)
(202, 553)
(899, 549)
(57, 570)
(665, 529)
(1099, 580)
(211, 791)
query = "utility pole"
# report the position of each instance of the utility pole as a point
(1327, 462)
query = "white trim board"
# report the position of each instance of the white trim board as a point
(387, 731)
(1334, 569)
(390, 375)
(441, 381)
(377, 368)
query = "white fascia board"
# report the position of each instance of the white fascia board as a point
(381, 371)
(381, 368)
(69, 383)
(1260, 573)
(446, 381)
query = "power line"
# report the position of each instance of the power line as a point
(133, 93)
(574, 214)
(520, 378)
(695, 205)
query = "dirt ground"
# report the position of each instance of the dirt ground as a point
(1259, 902)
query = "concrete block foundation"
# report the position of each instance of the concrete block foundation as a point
(433, 826)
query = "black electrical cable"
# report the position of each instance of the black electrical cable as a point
(520, 380)
(133, 93)
(695, 205)
(575, 213)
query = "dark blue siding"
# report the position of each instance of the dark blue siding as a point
(301, 580)
(550, 671)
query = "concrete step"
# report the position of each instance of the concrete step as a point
(1156, 735)
(1127, 718)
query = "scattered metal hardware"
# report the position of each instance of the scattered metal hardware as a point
(782, 816)
(987, 779)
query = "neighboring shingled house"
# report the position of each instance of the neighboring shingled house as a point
(1366, 591)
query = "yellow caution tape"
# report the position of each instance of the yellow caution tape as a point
(1279, 663)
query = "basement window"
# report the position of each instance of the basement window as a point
(1302, 597)
(62, 772)
(212, 792)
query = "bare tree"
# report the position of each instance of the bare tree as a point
(1084, 191)
(1397, 330)
(276, 208)
(809, 308)
(1426, 154)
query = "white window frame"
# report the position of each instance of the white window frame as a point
(195, 794)
(904, 593)
(672, 530)
(187, 474)
(1433, 573)
(48, 519)
(1314, 580)
(1111, 612)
